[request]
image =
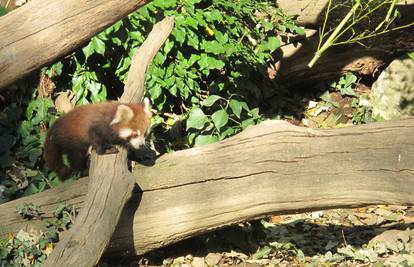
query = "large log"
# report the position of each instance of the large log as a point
(273, 167)
(41, 31)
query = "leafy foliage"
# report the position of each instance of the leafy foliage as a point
(28, 210)
(32, 248)
(343, 103)
(208, 82)
(218, 50)
(22, 134)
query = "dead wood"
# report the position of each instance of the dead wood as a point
(312, 12)
(42, 31)
(110, 181)
(273, 167)
(292, 70)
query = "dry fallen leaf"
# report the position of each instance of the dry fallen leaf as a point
(213, 258)
(276, 219)
(46, 86)
(65, 101)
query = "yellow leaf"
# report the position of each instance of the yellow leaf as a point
(209, 31)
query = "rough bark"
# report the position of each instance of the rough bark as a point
(44, 30)
(110, 181)
(292, 70)
(273, 167)
(312, 12)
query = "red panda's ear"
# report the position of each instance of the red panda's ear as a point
(123, 113)
(147, 107)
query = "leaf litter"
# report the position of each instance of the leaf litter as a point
(372, 236)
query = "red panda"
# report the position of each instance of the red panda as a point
(98, 125)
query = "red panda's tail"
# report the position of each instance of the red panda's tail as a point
(54, 158)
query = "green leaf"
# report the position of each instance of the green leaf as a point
(326, 96)
(164, 4)
(168, 46)
(190, 21)
(95, 45)
(179, 34)
(213, 47)
(247, 123)
(271, 44)
(262, 252)
(205, 140)
(220, 118)
(228, 132)
(3, 11)
(173, 89)
(347, 91)
(208, 62)
(155, 91)
(254, 113)
(214, 15)
(136, 36)
(350, 79)
(411, 55)
(192, 39)
(31, 189)
(236, 107)
(196, 119)
(300, 30)
(220, 37)
(210, 100)
(193, 59)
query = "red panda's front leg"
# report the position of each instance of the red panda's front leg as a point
(102, 139)
(77, 159)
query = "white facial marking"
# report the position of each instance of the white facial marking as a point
(124, 133)
(137, 142)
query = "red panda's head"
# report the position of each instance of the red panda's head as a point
(132, 121)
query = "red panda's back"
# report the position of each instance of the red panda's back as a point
(73, 128)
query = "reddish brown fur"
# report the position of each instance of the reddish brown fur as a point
(85, 126)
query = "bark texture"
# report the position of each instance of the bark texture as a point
(292, 70)
(44, 30)
(273, 167)
(312, 12)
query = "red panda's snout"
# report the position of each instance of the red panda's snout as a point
(137, 140)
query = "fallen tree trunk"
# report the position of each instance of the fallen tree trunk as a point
(44, 30)
(273, 167)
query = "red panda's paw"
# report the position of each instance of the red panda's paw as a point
(111, 150)
(64, 172)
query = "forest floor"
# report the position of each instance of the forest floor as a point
(370, 236)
